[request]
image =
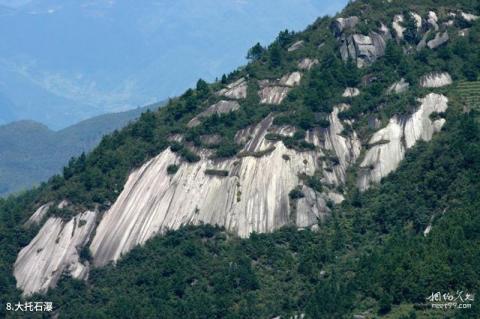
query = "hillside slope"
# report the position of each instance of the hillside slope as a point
(31, 153)
(355, 132)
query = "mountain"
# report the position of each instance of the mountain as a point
(160, 48)
(31, 153)
(336, 175)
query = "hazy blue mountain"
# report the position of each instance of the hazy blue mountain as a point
(30, 152)
(115, 55)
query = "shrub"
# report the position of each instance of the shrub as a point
(172, 169)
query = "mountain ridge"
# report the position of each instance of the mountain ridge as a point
(365, 103)
(30, 152)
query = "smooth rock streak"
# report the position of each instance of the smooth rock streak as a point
(388, 145)
(435, 80)
(252, 198)
(38, 215)
(54, 251)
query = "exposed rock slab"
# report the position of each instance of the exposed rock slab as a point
(38, 215)
(236, 90)
(433, 20)
(398, 87)
(253, 197)
(297, 45)
(363, 49)
(342, 24)
(351, 92)
(468, 16)
(274, 92)
(436, 80)
(397, 25)
(220, 107)
(388, 145)
(440, 38)
(54, 251)
(307, 63)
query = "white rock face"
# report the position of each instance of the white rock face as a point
(440, 38)
(468, 16)
(54, 251)
(236, 90)
(253, 197)
(387, 146)
(418, 20)
(351, 92)
(37, 217)
(342, 24)
(463, 32)
(220, 107)
(274, 92)
(297, 45)
(435, 80)
(363, 49)
(433, 20)
(292, 79)
(307, 63)
(419, 126)
(385, 156)
(397, 26)
(398, 87)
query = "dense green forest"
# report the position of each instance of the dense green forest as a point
(370, 257)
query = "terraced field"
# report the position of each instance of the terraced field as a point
(470, 92)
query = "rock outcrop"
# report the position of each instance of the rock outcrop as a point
(297, 45)
(236, 90)
(397, 26)
(440, 38)
(220, 107)
(433, 20)
(38, 215)
(398, 87)
(363, 49)
(274, 92)
(435, 80)
(53, 252)
(387, 146)
(351, 92)
(243, 201)
(468, 16)
(307, 63)
(342, 24)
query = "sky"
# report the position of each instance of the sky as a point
(62, 61)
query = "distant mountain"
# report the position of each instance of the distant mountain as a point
(30, 152)
(112, 56)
